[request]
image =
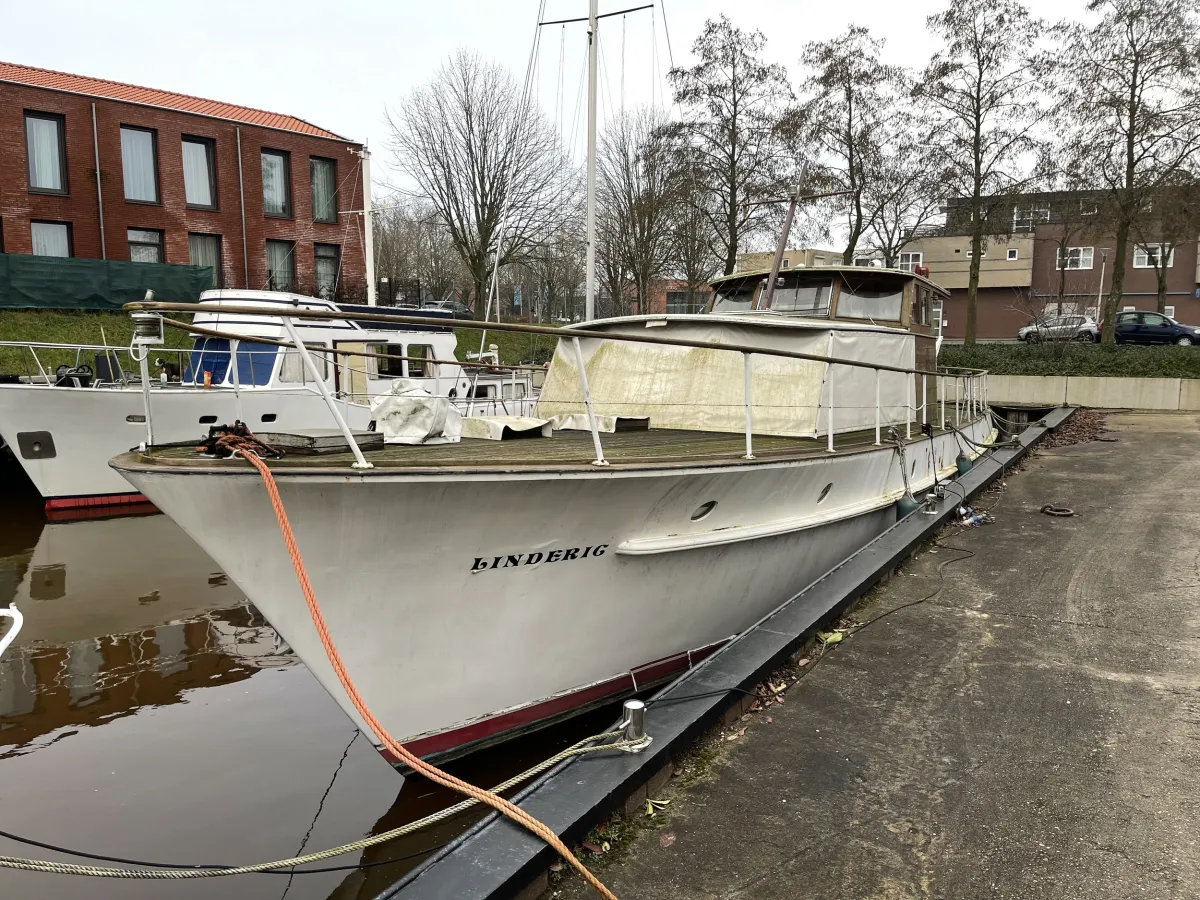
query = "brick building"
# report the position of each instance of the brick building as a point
(1033, 241)
(98, 169)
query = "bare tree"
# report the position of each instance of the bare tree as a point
(558, 264)
(732, 104)
(692, 238)
(484, 157)
(414, 251)
(1170, 219)
(1130, 85)
(904, 198)
(637, 191)
(982, 88)
(850, 96)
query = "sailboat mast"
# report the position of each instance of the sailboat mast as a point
(589, 311)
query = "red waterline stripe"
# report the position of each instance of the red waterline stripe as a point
(94, 500)
(519, 720)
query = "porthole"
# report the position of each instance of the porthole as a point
(269, 417)
(207, 420)
(132, 418)
(825, 492)
(703, 510)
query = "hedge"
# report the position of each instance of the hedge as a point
(1076, 359)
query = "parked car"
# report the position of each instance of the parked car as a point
(1137, 326)
(459, 309)
(1060, 328)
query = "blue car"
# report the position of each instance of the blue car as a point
(1137, 326)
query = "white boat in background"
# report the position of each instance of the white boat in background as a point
(482, 588)
(64, 423)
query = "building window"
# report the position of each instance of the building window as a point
(325, 260)
(787, 263)
(46, 150)
(139, 164)
(1150, 256)
(277, 183)
(1170, 311)
(323, 175)
(1025, 218)
(199, 173)
(1074, 258)
(982, 255)
(909, 261)
(866, 262)
(1013, 255)
(1088, 207)
(205, 250)
(145, 245)
(51, 238)
(281, 265)
(684, 303)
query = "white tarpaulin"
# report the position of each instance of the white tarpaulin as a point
(409, 414)
(498, 428)
(692, 388)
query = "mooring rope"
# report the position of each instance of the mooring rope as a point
(433, 773)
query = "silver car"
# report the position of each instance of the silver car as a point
(1060, 328)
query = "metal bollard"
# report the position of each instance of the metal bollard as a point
(633, 723)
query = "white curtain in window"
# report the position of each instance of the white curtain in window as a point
(326, 266)
(137, 165)
(144, 245)
(279, 265)
(274, 178)
(205, 250)
(197, 181)
(50, 239)
(322, 174)
(42, 145)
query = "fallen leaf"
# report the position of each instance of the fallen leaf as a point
(659, 804)
(594, 848)
(606, 846)
(666, 839)
(804, 662)
(779, 700)
(769, 720)
(556, 867)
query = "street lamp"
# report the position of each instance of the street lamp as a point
(1100, 292)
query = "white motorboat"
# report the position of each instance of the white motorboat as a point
(481, 588)
(63, 424)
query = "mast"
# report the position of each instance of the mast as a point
(589, 291)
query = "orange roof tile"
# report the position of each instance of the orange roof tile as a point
(131, 93)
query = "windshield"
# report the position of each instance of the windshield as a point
(208, 355)
(733, 298)
(255, 362)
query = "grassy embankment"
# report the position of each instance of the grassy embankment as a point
(1076, 359)
(79, 327)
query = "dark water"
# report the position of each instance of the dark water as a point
(147, 711)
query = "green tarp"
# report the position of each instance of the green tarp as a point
(50, 282)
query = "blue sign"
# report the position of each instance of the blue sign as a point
(517, 297)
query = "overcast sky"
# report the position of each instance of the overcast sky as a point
(340, 65)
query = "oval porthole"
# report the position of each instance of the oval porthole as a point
(825, 491)
(703, 510)
(208, 420)
(269, 417)
(133, 418)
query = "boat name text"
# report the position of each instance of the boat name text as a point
(532, 559)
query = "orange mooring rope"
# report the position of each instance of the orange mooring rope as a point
(433, 773)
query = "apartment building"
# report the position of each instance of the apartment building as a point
(97, 169)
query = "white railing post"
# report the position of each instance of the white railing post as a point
(924, 401)
(957, 405)
(311, 368)
(909, 402)
(942, 398)
(587, 402)
(878, 413)
(237, 381)
(829, 418)
(749, 430)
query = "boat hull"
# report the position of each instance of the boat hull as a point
(555, 589)
(89, 426)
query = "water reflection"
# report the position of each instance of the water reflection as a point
(146, 710)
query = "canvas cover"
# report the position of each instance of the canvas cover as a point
(409, 414)
(703, 389)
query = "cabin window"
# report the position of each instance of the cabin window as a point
(420, 363)
(921, 306)
(255, 362)
(293, 370)
(208, 355)
(386, 368)
(806, 297)
(870, 300)
(733, 298)
(510, 391)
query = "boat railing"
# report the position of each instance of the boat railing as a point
(969, 386)
(108, 363)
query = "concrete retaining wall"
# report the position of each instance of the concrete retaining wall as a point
(1101, 393)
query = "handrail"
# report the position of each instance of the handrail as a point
(975, 379)
(155, 306)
